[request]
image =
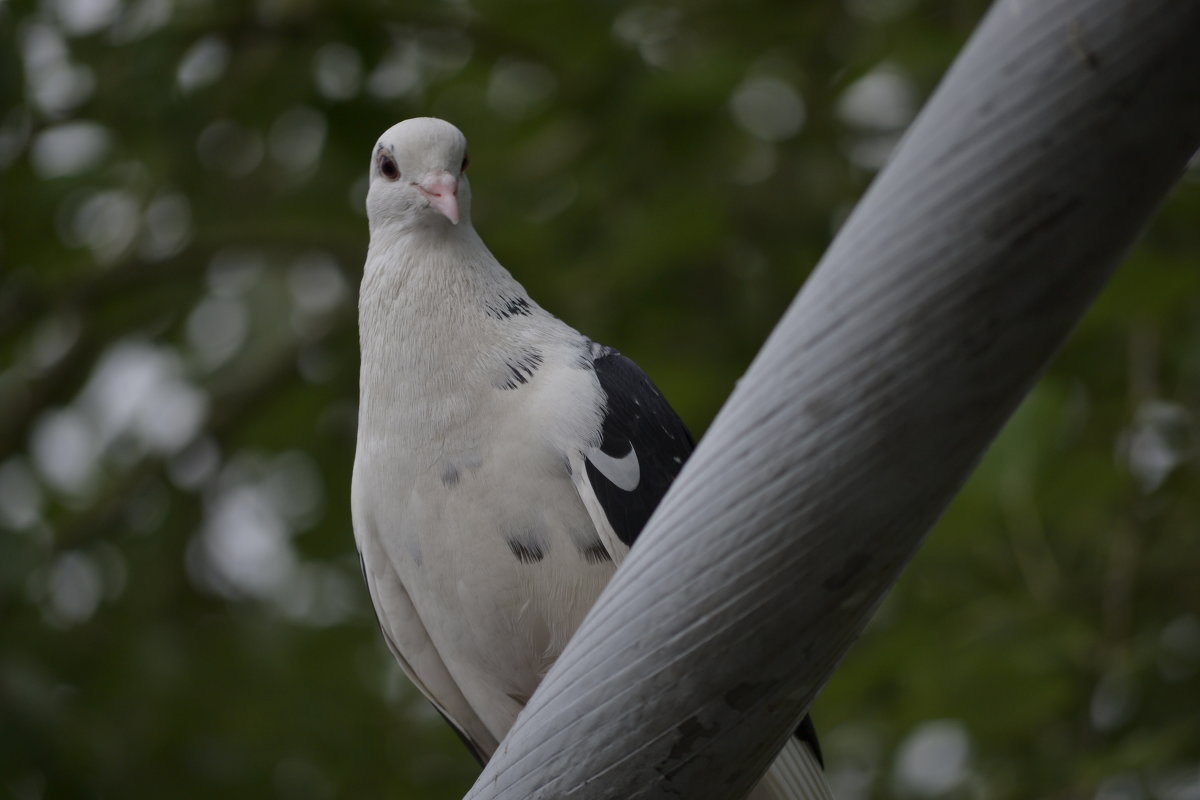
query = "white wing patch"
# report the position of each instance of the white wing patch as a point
(608, 537)
(625, 473)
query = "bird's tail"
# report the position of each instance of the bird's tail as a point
(795, 774)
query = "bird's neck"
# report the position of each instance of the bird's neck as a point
(425, 332)
(410, 265)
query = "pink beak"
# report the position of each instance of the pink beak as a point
(441, 189)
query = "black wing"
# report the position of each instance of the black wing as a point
(640, 430)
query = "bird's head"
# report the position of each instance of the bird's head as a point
(418, 176)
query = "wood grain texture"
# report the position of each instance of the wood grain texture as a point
(1050, 142)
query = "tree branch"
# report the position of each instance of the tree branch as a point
(1052, 139)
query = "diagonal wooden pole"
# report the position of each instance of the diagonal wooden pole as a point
(1050, 142)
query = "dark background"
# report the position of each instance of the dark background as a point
(182, 237)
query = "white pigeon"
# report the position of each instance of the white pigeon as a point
(505, 462)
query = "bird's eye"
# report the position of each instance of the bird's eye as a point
(466, 163)
(388, 168)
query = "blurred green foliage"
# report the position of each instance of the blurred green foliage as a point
(181, 234)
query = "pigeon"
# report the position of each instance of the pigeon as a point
(505, 463)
